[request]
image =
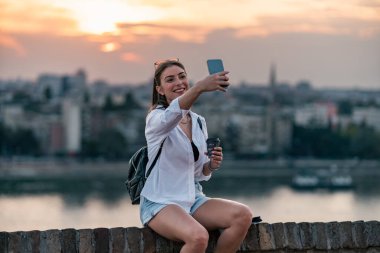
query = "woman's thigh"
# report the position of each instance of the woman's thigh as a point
(174, 223)
(219, 213)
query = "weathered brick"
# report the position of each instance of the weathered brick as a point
(345, 234)
(266, 237)
(320, 236)
(86, 241)
(148, 240)
(373, 232)
(33, 238)
(101, 236)
(251, 241)
(333, 236)
(118, 239)
(4, 242)
(279, 235)
(69, 240)
(133, 239)
(50, 241)
(14, 243)
(163, 245)
(359, 234)
(306, 234)
(373, 250)
(293, 234)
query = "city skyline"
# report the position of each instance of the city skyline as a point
(332, 44)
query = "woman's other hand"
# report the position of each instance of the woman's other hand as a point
(216, 158)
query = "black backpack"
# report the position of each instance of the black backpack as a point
(137, 174)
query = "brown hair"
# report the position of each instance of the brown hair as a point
(158, 99)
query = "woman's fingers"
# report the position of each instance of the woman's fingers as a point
(217, 154)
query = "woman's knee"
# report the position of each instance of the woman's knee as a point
(198, 236)
(243, 216)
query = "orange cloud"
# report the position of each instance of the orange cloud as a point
(35, 17)
(131, 57)
(184, 33)
(300, 23)
(10, 42)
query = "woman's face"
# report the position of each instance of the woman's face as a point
(174, 83)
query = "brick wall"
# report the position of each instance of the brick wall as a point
(342, 237)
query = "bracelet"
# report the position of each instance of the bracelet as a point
(211, 169)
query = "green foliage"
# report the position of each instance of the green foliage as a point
(355, 141)
(231, 142)
(109, 105)
(47, 94)
(110, 145)
(345, 107)
(130, 101)
(21, 97)
(18, 142)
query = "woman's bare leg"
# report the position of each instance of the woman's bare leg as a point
(235, 218)
(174, 223)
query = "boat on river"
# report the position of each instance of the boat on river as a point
(332, 178)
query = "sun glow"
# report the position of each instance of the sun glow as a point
(110, 47)
(101, 16)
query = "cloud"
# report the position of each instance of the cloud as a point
(155, 3)
(131, 57)
(369, 3)
(267, 25)
(35, 17)
(324, 59)
(154, 32)
(12, 43)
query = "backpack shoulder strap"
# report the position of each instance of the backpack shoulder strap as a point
(162, 144)
(155, 159)
(200, 123)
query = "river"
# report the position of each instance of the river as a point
(42, 204)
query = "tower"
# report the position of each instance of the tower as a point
(273, 113)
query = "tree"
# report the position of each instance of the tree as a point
(108, 105)
(345, 107)
(231, 142)
(20, 142)
(47, 93)
(322, 142)
(86, 97)
(130, 101)
(112, 144)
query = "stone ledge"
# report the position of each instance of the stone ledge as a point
(343, 237)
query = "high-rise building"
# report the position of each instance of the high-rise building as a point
(72, 126)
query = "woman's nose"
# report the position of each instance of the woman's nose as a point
(178, 81)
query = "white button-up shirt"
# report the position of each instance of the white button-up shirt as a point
(172, 178)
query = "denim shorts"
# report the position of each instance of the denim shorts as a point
(149, 209)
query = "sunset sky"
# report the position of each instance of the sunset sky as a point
(331, 43)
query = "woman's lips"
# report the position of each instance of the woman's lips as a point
(179, 90)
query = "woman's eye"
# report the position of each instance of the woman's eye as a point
(182, 76)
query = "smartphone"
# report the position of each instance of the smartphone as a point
(215, 66)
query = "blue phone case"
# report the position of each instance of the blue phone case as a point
(215, 66)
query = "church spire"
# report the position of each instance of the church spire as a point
(272, 77)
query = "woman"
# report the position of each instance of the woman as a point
(172, 202)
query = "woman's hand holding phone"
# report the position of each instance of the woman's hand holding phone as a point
(215, 66)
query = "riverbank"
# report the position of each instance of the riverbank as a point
(231, 168)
